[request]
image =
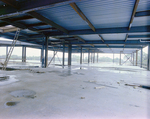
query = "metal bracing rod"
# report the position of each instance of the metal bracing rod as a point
(53, 56)
(128, 58)
(58, 58)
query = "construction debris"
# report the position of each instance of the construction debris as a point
(82, 97)
(99, 87)
(141, 86)
(92, 81)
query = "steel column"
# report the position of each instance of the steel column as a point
(42, 56)
(63, 58)
(148, 58)
(97, 57)
(69, 54)
(91, 57)
(23, 54)
(54, 57)
(133, 58)
(120, 58)
(88, 56)
(46, 52)
(141, 56)
(113, 57)
(136, 56)
(6, 50)
(94, 57)
(81, 56)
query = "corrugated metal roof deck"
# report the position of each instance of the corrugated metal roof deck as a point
(65, 16)
(90, 37)
(143, 5)
(104, 15)
(101, 14)
(113, 36)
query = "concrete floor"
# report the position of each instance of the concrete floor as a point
(59, 93)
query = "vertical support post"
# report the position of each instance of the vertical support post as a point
(133, 58)
(91, 57)
(69, 54)
(46, 52)
(120, 57)
(54, 56)
(94, 57)
(81, 56)
(97, 57)
(88, 56)
(148, 58)
(23, 54)
(141, 56)
(136, 56)
(42, 56)
(6, 50)
(63, 58)
(113, 57)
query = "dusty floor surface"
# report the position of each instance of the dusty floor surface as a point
(86, 93)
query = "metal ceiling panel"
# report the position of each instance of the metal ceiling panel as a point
(114, 36)
(137, 38)
(143, 5)
(26, 31)
(141, 21)
(64, 16)
(99, 44)
(90, 37)
(115, 44)
(107, 13)
(143, 33)
(43, 27)
(30, 21)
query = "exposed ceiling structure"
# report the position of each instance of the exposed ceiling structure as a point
(108, 26)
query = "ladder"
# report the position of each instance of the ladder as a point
(11, 49)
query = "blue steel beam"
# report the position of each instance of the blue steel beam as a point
(139, 36)
(148, 58)
(142, 13)
(138, 29)
(129, 42)
(135, 47)
(51, 48)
